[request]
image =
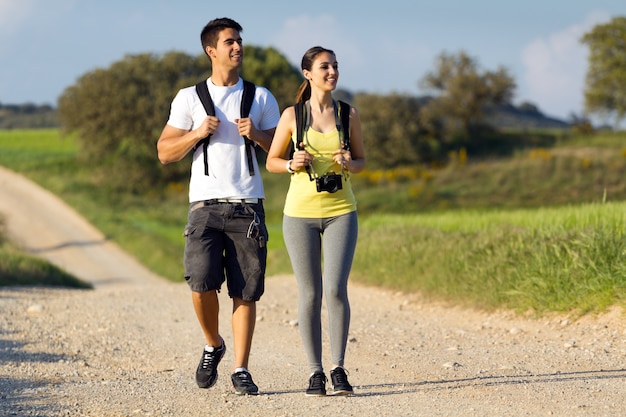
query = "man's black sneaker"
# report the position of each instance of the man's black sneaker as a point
(243, 384)
(339, 381)
(206, 374)
(317, 385)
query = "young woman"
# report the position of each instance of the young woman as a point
(320, 217)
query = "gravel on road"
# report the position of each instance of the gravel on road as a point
(130, 346)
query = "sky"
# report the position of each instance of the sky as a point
(381, 48)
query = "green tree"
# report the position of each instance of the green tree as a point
(268, 68)
(118, 113)
(391, 131)
(462, 93)
(605, 84)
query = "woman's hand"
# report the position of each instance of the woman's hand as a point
(343, 158)
(301, 159)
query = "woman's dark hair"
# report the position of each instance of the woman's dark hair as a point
(304, 91)
(210, 33)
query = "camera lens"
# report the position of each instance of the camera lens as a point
(331, 185)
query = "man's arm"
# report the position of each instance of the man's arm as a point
(174, 143)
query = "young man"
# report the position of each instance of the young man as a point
(225, 233)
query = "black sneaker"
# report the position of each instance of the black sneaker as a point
(206, 374)
(339, 381)
(242, 381)
(317, 385)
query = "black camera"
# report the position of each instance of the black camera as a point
(328, 182)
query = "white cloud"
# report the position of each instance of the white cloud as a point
(289, 41)
(555, 68)
(14, 13)
(323, 30)
(357, 53)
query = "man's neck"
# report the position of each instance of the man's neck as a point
(225, 79)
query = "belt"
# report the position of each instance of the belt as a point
(205, 203)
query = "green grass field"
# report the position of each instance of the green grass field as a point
(469, 234)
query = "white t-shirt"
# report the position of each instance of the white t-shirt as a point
(229, 176)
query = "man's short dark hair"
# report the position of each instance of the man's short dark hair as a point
(211, 31)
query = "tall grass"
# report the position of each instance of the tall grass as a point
(554, 259)
(18, 268)
(562, 252)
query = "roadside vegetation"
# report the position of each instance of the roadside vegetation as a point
(537, 232)
(18, 268)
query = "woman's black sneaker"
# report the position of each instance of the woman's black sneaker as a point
(317, 385)
(339, 381)
(206, 374)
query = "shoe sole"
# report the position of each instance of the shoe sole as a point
(246, 393)
(342, 392)
(316, 394)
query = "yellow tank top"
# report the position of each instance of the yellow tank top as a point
(303, 199)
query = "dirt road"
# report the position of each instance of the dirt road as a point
(130, 346)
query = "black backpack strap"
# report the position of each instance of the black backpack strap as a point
(246, 104)
(203, 92)
(344, 114)
(299, 111)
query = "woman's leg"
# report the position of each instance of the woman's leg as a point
(303, 242)
(339, 243)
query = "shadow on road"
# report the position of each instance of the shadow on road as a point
(64, 245)
(17, 393)
(488, 381)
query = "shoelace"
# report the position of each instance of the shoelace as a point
(244, 378)
(340, 376)
(208, 359)
(318, 381)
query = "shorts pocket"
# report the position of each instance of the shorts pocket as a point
(189, 230)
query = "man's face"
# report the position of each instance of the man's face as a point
(229, 49)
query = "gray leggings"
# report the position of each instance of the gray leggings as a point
(305, 239)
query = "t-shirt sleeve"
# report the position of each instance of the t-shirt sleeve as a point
(271, 112)
(180, 111)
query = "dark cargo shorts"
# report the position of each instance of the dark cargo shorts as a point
(226, 241)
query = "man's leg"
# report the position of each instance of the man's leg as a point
(206, 305)
(244, 320)
(245, 258)
(207, 308)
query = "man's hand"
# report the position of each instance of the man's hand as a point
(208, 127)
(246, 127)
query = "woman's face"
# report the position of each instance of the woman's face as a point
(324, 72)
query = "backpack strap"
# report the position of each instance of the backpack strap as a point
(246, 104)
(203, 92)
(344, 114)
(299, 111)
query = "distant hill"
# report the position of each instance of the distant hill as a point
(524, 116)
(27, 116)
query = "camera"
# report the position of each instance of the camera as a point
(328, 182)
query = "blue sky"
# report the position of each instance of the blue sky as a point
(46, 45)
